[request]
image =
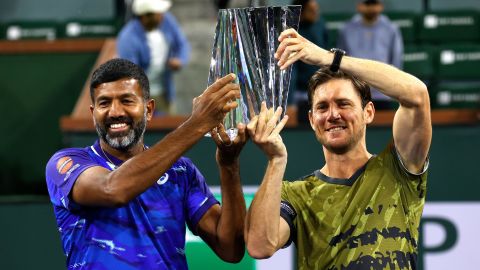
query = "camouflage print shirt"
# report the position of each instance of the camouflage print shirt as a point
(369, 221)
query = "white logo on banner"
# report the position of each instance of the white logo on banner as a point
(450, 235)
(430, 21)
(447, 57)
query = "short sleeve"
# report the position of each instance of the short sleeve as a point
(199, 198)
(62, 171)
(415, 184)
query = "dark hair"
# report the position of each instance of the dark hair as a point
(324, 75)
(302, 3)
(116, 69)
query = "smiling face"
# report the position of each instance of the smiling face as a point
(120, 113)
(337, 116)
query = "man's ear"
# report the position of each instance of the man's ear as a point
(91, 108)
(310, 119)
(150, 109)
(369, 112)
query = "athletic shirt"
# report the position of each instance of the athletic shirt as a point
(147, 233)
(369, 221)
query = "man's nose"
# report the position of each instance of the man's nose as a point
(333, 113)
(116, 109)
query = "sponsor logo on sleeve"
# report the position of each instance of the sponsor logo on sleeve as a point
(64, 164)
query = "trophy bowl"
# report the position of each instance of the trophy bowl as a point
(245, 43)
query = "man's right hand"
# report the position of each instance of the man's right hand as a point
(294, 47)
(209, 109)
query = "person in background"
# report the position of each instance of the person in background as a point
(154, 41)
(312, 27)
(121, 204)
(371, 35)
(221, 4)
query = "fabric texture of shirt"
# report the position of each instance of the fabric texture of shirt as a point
(381, 41)
(369, 221)
(132, 45)
(147, 233)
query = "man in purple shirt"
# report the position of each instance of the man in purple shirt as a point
(120, 204)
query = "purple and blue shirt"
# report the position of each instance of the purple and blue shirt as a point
(147, 233)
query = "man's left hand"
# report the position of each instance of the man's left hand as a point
(228, 151)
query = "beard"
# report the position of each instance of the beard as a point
(370, 16)
(343, 148)
(125, 141)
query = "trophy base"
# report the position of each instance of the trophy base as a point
(231, 132)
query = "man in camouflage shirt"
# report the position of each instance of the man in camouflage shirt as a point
(359, 210)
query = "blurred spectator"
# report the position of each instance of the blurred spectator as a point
(221, 4)
(371, 35)
(312, 27)
(154, 41)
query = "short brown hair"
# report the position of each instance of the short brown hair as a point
(324, 75)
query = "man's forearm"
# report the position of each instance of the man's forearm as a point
(141, 171)
(399, 85)
(263, 218)
(230, 226)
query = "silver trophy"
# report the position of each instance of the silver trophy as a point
(245, 43)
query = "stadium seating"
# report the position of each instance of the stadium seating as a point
(449, 27)
(421, 61)
(459, 95)
(81, 28)
(442, 48)
(407, 22)
(30, 30)
(445, 5)
(459, 62)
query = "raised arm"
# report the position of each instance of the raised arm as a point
(412, 128)
(222, 227)
(98, 186)
(265, 231)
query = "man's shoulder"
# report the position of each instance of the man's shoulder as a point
(300, 181)
(67, 156)
(385, 153)
(70, 151)
(387, 23)
(130, 29)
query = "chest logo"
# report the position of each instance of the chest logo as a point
(162, 180)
